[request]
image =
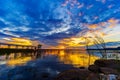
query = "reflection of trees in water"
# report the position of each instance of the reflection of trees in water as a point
(21, 54)
(33, 55)
(21, 58)
(74, 57)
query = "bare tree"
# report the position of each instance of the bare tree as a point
(100, 44)
(97, 42)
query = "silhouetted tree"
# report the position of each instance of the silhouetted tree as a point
(97, 42)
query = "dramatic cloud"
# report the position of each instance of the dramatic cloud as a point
(53, 21)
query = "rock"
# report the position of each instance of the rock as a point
(107, 70)
(114, 64)
(118, 78)
(94, 68)
(100, 63)
(93, 76)
(81, 67)
(74, 74)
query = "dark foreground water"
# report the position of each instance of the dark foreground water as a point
(41, 65)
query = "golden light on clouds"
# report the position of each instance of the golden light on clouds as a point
(82, 41)
(93, 26)
(71, 42)
(108, 24)
(108, 30)
(112, 21)
(21, 41)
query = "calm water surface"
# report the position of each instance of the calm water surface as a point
(44, 65)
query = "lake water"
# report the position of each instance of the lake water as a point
(44, 65)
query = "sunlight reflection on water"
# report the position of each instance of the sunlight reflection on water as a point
(77, 59)
(40, 64)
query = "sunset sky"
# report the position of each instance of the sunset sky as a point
(58, 23)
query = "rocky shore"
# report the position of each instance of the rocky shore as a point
(93, 72)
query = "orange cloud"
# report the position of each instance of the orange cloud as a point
(101, 30)
(73, 42)
(93, 26)
(112, 22)
(21, 41)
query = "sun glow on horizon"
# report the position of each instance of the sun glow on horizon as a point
(103, 29)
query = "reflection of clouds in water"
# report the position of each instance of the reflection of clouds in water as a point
(2, 60)
(76, 58)
(44, 65)
(36, 70)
